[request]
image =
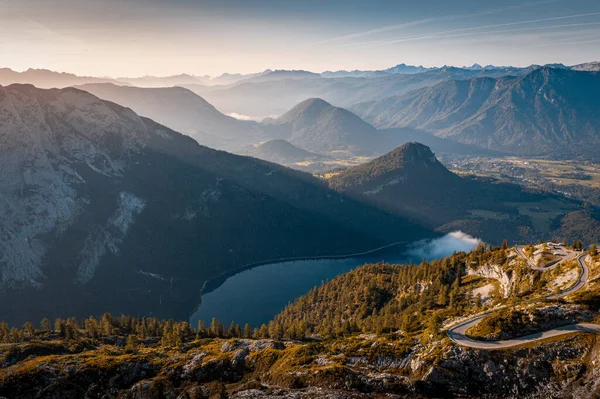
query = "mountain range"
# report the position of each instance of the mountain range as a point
(264, 97)
(104, 210)
(400, 69)
(44, 78)
(548, 111)
(312, 125)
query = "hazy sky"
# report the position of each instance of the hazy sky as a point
(143, 37)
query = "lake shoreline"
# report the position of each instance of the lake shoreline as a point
(212, 284)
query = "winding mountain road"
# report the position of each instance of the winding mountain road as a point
(569, 256)
(458, 332)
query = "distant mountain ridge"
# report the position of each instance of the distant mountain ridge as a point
(184, 111)
(47, 79)
(164, 81)
(588, 66)
(328, 129)
(549, 110)
(398, 69)
(281, 74)
(256, 97)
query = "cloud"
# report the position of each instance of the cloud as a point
(456, 241)
(471, 31)
(426, 21)
(250, 118)
(378, 30)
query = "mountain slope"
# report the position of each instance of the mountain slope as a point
(315, 125)
(281, 152)
(101, 209)
(410, 181)
(396, 137)
(550, 110)
(182, 110)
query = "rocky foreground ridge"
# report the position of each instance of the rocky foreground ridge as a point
(366, 366)
(378, 331)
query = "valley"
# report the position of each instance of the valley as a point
(573, 178)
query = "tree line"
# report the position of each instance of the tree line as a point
(128, 330)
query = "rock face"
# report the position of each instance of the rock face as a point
(506, 279)
(43, 142)
(101, 209)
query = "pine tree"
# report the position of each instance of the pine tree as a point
(131, 345)
(263, 332)
(232, 331)
(45, 324)
(106, 324)
(216, 328)
(201, 329)
(29, 329)
(247, 331)
(60, 327)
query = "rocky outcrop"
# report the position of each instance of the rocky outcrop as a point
(496, 272)
(341, 369)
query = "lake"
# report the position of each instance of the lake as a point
(256, 295)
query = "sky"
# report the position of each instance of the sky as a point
(209, 37)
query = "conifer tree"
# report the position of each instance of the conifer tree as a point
(45, 324)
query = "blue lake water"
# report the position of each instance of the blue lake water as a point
(256, 295)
